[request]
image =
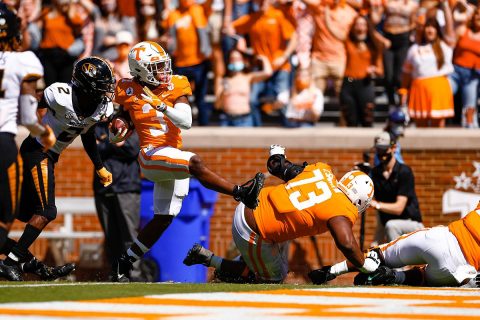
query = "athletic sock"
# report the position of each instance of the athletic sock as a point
(20, 252)
(215, 262)
(399, 277)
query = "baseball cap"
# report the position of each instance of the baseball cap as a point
(384, 140)
(123, 36)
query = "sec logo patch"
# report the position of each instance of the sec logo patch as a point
(129, 91)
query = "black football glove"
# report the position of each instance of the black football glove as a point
(321, 276)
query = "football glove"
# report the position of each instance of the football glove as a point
(153, 99)
(383, 275)
(321, 276)
(118, 137)
(105, 176)
(47, 138)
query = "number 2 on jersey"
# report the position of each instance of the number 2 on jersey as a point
(320, 191)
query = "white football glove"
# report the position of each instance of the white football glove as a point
(277, 149)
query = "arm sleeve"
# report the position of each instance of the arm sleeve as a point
(90, 144)
(180, 115)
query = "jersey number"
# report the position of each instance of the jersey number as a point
(155, 132)
(320, 191)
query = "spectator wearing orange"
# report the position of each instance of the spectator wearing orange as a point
(306, 104)
(333, 19)
(149, 18)
(425, 71)
(271, 35)
(190, 47)
(466, 63)
(61, 38)
(235, 90)
(364, 47)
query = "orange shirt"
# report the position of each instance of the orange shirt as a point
(359, 60)
(186, 23)
(56, 31)
(467, 232)
(302, 206)
(269, 33)
(326, 47)
(467, 52)
(153, 128)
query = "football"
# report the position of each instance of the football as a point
(118, 124)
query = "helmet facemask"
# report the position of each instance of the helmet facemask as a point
(158, 72)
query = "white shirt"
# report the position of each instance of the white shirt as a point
(422, 63)
(14, 68)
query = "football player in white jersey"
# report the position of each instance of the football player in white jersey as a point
(19, 72)
(70, 109)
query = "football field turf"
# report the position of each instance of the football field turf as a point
(66, 300)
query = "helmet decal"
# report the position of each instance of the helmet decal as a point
(89, 69)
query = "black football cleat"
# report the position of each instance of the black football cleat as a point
(122, 268)
(249, 191)
(12, 273)
(382, 276)
(198, 255)
(45, 272)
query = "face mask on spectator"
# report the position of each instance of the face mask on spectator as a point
(236, 66)
(147, 10)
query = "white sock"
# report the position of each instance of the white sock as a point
(141, 246)
(216, 261)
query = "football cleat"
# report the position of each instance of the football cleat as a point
(321, 276)
(249, 191)
(45, 272)
(382, 276)
(198, 255)
(12, 273)
(122, 268)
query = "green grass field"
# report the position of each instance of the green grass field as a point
(41, 291)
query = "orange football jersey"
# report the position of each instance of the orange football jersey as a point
(302, 206)
(467, 232)
(153, 127)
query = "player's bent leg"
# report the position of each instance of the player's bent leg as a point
(268, 261)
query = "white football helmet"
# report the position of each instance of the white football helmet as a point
(358, 187)
(147, 59)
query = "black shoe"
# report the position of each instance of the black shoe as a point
(249, 191)
(382, 276)
(121, 269)
(198, 255)
(12, 273)
(46, 272)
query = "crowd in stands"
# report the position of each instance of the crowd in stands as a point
(280, 57)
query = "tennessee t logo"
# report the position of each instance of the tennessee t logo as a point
(137, 51)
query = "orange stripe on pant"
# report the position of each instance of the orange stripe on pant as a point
(164, 158)
(37, 185)
(266, 275)
(13, 185)
(250, 252)
(391, 243)
(162, 168)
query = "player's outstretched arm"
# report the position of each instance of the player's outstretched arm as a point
(341, 229)
(90, 144)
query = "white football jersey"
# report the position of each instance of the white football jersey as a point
(14, 68)
(63, 120)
